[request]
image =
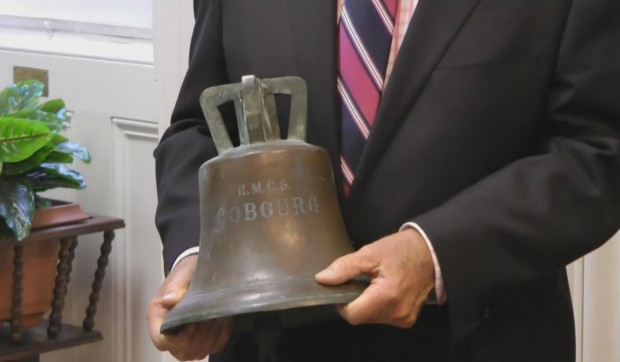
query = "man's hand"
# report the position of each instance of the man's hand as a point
(194, 341)
(401, 271)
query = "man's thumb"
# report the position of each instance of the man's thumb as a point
(341, 270)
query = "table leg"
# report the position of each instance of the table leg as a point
(16, 302)
(102, 262)
(63, 275)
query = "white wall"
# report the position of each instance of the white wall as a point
(601, 304)
(595, 287)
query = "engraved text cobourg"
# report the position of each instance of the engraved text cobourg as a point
(277, 201)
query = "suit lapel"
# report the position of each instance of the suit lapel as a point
(433, 26)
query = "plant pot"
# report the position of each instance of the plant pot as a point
(39, 273)
(40, 260)
(60, 213)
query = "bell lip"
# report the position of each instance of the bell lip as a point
(218, 307)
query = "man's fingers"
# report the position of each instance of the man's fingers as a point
(172, 297)
(208, 337)
(220, 329)
(193, 341)
(156, 313)
(365, 308)
(174, 342)
(377, 305)
(203, 340)
(177, 283)
(227, 327)
(186, 344)
(401, 270)
(157, 338)
(347, 267)
(171, 292)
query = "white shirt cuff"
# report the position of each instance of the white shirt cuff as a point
(440, 290)
(188, 252)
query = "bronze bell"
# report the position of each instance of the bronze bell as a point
(270, 218)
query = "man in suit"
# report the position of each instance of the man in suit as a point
(493, 161)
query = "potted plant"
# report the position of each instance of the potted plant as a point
(34, 157)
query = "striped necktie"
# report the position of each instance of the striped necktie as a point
(365, 37)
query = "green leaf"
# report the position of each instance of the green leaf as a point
(23, 95)
(30, 89)
(16, 206)
(21, 138)
(76, 150)
(42, 155)
(53, 122)
(58, 139)
(50, 175)
(9, 99)
(58, 157)
(56, 107)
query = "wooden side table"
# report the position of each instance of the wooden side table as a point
(25, 345)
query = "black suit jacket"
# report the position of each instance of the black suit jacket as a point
(498, 133)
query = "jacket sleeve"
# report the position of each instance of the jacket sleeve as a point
(187, 144)
(528, 220)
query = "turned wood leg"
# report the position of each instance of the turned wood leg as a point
(63, 274)
(102, 262)
(16, 300)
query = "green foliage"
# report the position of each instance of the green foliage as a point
(49, 175)
(34, 156)
(20, 138)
